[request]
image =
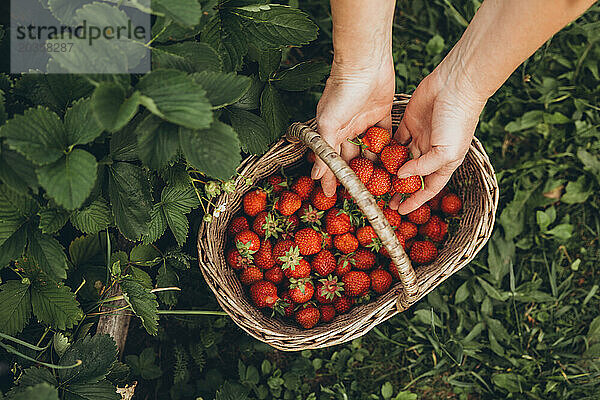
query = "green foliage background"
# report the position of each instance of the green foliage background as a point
(104, 179)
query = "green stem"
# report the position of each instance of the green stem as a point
(22, 343)
(191, 312)
(14, 351)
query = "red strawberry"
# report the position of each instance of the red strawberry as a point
(310, 214)
(376, 139)
(346, 243)
(274, 275)
(247, 242)
(344, 264)
(381, 280)
(308, 241)
(393, 217)
(303, 187)
(288, 203)
(278, 183)
(287, 304)
(368, 238)
(451, 204)
(238, 224)
(407, 185)
(434, 203)
(362, 167)
(259, 221)
(267, 225)
(343, 304)
(294, 266)
(264, 256)
(281, 248)
(443, 228)
(356, 283)
(236, 260)
(250, 275)
(320, 201)
(263, 294)
(308, 317)
(323, 263)
(393, 157)
(379, 183)
(432, 229)
(408, 229)
(328, 290)
(327, 312)
(423, 252)
(420, 215)
(301, 290)
(364, 259)
(291, 223)
(255, 202)
(337, 222)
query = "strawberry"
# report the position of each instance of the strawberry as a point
(443, 228)
(308, 241)
(343, 304)
(344, 265)
(376, 139)
(291, 224)
(327, 290)
(408, 229)
(310, 215)
(263, 294)
(255, 202)
(301, 290)
(281, 248)
(287, 304)
(394, 271)
(274, 275)
(288, 203)
(420, 215)
(320, 201)
(432, 229)
(294, 266)
(303, 186)
(393, 157)
(381, 280)
(393, 217)
(407, 185)
(423, 252)
(327, 241)
(356, 283)
(247, 242)
(346, 243)
(364, 259)
(236, 260)
(337, 222)
(451, 204)
(434, 203)
(368, 238)
(264, 256)
(323, 263)
(238, 224)
(379, 183)
(308, 317)
(267, 225)
(362, 167)
(327, 312)
(250, 275)
(278, 183)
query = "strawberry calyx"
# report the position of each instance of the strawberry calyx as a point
(312, 216)
(300, 284)
(291, 258)
(331, 287)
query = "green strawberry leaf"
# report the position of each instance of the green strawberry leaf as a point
(81, 126)
(48, 254)
(142, 302)
(111, 106)
(97, 354)
(183, 12)
(253, 132)
(55, 305)
(301, 77)
(222, 89)
(16, 307)
(158, 142)
(93, 218)
(273, 111)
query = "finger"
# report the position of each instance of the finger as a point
(433, 185)
(426, 164)
(402, 134)
(329, 183)
(414, 150)
(349, 151)
(395, 201)
(330, 136)
(385, 123)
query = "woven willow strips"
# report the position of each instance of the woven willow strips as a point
(474, 181)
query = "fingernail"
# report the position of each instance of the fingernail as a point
(315, 172)
(403, 175)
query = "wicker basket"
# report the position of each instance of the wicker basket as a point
(474, 180)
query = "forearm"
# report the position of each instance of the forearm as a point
(501, 36)
(362, 31)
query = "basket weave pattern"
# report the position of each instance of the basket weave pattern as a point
(475, 183)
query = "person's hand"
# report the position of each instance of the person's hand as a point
(354, 99)
(438, 125)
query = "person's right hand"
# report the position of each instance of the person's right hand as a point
(438, 126)
(354, 99)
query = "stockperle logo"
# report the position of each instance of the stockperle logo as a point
(86, 37)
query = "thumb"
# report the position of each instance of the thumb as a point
(424, 165)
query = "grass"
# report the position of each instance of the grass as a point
(521, 321)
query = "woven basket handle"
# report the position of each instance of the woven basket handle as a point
(366, 202)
